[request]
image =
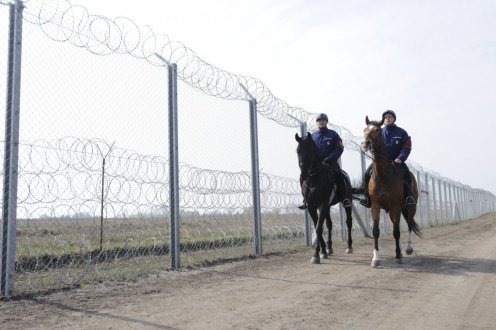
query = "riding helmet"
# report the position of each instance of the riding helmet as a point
(322, 116)
(389, 112)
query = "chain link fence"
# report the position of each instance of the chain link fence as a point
(93, 180)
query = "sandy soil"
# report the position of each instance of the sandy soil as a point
(448, 283)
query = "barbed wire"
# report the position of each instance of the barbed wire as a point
(63, 177)
(63, 21)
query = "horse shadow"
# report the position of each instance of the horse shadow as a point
(442, 265)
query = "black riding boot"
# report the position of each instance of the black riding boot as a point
(341, 186)
(365, 201)
(409, 198)
(407, 186)
(346, 201)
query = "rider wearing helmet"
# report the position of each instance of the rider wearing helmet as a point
(398, 146)
(330, 148)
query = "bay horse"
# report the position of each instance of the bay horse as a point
(386, 192)
(319, 189)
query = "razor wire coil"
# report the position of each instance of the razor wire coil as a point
(65, 175)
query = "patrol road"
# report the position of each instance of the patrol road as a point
(448, 283)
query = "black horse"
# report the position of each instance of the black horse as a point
(319, 188)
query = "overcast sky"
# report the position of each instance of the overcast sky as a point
(433, 62)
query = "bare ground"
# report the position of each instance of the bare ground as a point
(448, 283)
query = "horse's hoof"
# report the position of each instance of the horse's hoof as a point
(398, 261)
(329, 251)
(315, 260)
(409, 251)
(323, 256)
(349, 251)
(375, 263)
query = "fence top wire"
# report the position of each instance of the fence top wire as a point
(63, 21)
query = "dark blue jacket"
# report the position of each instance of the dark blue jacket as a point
(329, 144)
(398, 142)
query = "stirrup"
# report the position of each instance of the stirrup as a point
(346, 202)
(410, 200)
(303, 206)
(365, 202)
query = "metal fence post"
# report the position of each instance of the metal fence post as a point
(11, 151)
(308, 224)
(474, 201)
(446, 202)
(434, 202)
(364, 168)
(452, 203)
(480, 204)
(341, 210)
(441, 212)
(461, 204)
(428, 206)
(257, 223)
(465, 201)
(174, 220)
(460, 201)
(466, 198)
(420, 207)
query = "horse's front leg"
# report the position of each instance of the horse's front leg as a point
(376, 259)
(319, 230)
(328, 249)
(314, 215)
(395, 219)
(349, 224)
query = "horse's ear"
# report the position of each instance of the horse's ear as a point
(309, 136)
(367, 121)
(297, 138)
(381, 122)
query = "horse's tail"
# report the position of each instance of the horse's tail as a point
(412, 225)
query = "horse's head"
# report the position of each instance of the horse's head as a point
(371, 133)
(307, 153)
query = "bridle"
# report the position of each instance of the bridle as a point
(309, 162)
(372, 145)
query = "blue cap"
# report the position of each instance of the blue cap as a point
(389, 112)
(322, 116)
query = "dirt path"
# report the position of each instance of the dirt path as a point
(448, 283)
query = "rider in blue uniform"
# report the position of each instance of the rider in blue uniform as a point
(330, 148)
(398, 147)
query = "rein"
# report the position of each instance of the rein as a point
(310, 188)
(374, 151)
(312, 172)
